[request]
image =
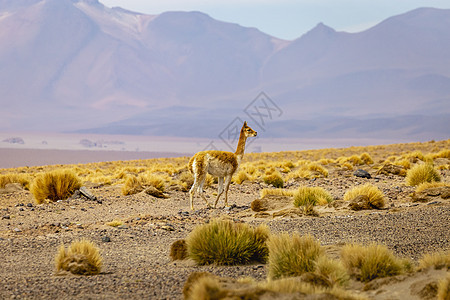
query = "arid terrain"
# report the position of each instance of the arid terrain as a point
(135, 251)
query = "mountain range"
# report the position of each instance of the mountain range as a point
(78, 66)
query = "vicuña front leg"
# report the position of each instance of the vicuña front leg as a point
(219, 190)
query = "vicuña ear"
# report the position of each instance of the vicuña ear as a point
(245, 123)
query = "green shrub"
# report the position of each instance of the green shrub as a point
(422, 173)
(291, 256)
(373, 261)
(55, 185)
(224, 242)
(311, 196)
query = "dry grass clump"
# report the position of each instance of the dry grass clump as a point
(374, 195)
(443, 292)
(276, 192)
(308, 170)
(422, 173)
(437, 260)
(55, 185)
(274, 179)
(366, 158)
(134, 185)
(178, 250)
(428, 185)
(311, 196)
(240, 177)
(332, 270)
(23, 179)
(291, 256)
(441, 154)
(81, 257)
(373, 261)
(224, 242)
(415, 156)
(115, 223)
(207, 286)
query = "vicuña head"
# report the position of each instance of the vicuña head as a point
(221, 164)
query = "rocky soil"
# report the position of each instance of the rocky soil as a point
(136, 254)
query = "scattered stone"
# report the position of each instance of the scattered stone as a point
(362, 173)
(84, 192)
(17, 230)
(106, 239)
(29, 205)
(6, 217)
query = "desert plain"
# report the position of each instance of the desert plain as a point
(134, 230)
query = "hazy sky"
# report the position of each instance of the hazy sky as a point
(287, 19)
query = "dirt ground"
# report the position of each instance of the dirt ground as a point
(136, 262)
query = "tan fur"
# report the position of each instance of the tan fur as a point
(221, 164)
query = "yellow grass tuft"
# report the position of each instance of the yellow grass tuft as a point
(23, 179)
(55, 185)
(311, 196)
(444, 288)
(276, 192)
(373, 261)
(115, 223)
(81, 257)
(178, 250)
(437, 260)
(428, 185)
(274, 179)
(366, 158)
(291, 256)
(374, 195)
(422, 173)
(134, 185)
(224, 242)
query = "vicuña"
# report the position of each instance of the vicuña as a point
(221, 164)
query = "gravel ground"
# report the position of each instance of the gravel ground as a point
(136, 260)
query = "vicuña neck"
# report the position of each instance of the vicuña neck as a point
(241, 144)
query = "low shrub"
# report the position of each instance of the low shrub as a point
(23, 179)
(422, 173)
(333, 270)
(136, 184)
(374, 195)
(274, 179)
(276, 192)
(443, 292)
(291, 256)
(437, 260)
(224, 242)
(81, 257)
(311, 195)
(366, 158)
(178, 250)
(55, 185)
(373, 261)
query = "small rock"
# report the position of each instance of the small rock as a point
(362, 173)
(7, 217)
(29, 205)
(106, 239)
(17, 230)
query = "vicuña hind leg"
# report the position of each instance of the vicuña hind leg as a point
(201, 191)
(219, 190)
